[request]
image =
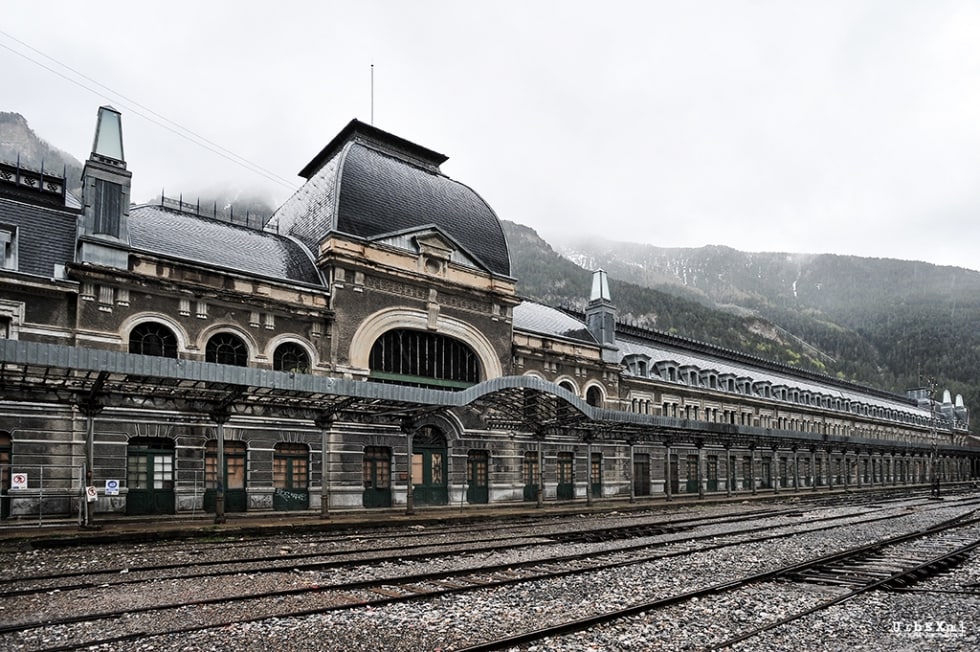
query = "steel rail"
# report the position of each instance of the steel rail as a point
(484, 577)
(581, 624)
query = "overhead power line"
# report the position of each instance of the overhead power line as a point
(144, 112)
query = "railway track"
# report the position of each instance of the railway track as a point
(672, 531)
(355, 551)
(898, 562)
(311, 595)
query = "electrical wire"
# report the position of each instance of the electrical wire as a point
(146, 113)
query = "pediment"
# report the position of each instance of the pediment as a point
(431, 243)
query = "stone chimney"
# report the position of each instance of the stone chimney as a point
(106, 184)
(600, 313)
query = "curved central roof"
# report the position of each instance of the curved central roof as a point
(372, 185)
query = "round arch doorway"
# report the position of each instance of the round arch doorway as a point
(430, 482)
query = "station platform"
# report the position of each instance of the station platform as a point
(27, 532)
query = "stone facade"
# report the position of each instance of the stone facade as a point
(382, 270)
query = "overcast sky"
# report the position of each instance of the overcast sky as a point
(845, 127)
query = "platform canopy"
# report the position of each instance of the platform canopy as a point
(93, 379)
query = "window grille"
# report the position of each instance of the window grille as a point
(152, 338)
(226, 348)
(424, 359)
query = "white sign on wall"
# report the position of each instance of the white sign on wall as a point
(92, 494)
(18, 481)
(112, 487)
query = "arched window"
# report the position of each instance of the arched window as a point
(153, 338)
(290, 356)
(423, 359)
(593, 396)
(226, 348)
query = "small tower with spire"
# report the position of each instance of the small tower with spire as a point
(106, 185)
(600, 313)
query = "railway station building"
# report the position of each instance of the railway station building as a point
(365, 347)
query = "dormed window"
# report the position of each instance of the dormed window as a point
(227, 348)
(107, 207)
(423, 358)
(667, 371)
(153, 338)
(637, 365)
(290, 356)
(8, 247)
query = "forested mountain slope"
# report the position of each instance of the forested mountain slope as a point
(889, 323)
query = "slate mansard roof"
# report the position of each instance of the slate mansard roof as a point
(370, 184)
(182, 236)
(46, 236)
(545, 320)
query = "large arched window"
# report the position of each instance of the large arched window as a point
(226, 348)
(290, 356)
(153, 338)
(423, 359)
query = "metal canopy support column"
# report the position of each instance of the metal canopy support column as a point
(588, 472)
(700, 445)
(219, 493)
(845, 467)
(324, 422)
(667, 470)
(91, 407)
(90, 410)
(752, 468)
(859, 466)
(220, 414)
(829, 457)
(813, 468)
(408, 427)
(729, 470)
(540, 500)
(632, 471)
(796, 469)
(775, 470)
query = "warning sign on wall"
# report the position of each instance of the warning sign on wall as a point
(18, 481)
(92, 494)
(112, 487)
